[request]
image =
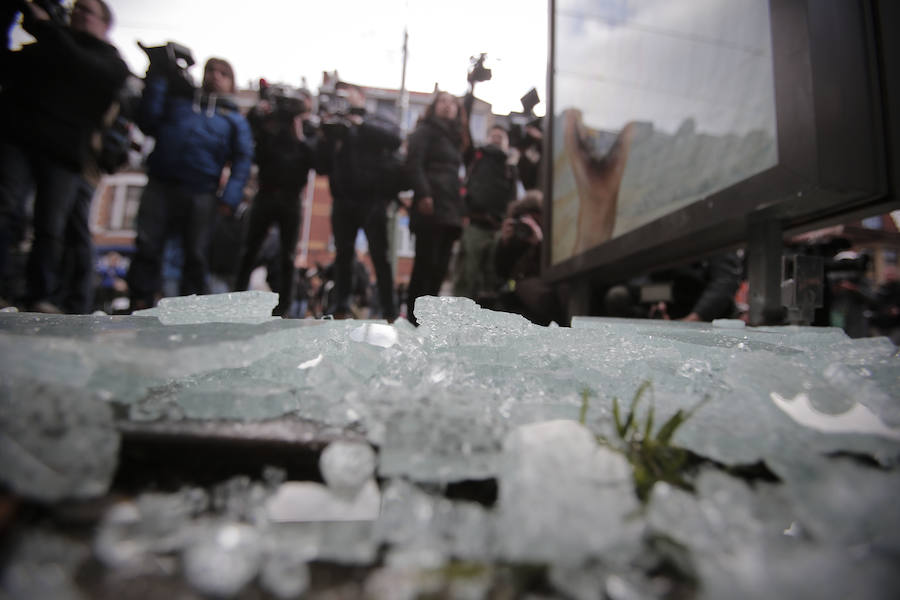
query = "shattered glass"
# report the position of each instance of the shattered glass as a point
(444, 456)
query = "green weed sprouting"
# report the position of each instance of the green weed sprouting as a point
(585, 400)
(652, 456)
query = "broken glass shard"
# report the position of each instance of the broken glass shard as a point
(235, 307)
(346, 466)
(223, 559)
(55, 442)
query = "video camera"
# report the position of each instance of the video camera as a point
(335, 109)
(334, 103)
(522, 231)
(54, 8)
(172, 60)
(9, 15)
(479, 72)
(518, 122)
(287, 103)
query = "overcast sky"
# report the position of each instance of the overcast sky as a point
(663, 62)
(284, 40)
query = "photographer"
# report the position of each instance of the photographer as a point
(526, 140)
(54, 96)
(490, 188)
(517, 259)
(701, 290)
(196, 136)
(529, 144)
(284, 154)
(358, 156)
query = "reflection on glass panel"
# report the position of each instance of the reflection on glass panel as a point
(657, 104)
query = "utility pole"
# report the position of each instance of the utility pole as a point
(403, 117)
(403, 100)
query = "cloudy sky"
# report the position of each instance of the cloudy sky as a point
(662, 62)
(285, 40)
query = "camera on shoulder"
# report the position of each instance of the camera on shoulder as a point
(172, 60)
(287, 103)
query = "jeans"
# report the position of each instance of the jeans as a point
(166, 209)
(346, 219)
(21, 173)
(76, 294)
(434, 245)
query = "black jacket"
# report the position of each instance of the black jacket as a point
(284, 160)
(491, 186)
(56, 91)
(706, 287)
(358, 158)
(433, 162)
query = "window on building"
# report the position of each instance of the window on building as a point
(872, 223)
(479, 128)
(124, 199)
(414, 113)
(132, 202)
(385, 106)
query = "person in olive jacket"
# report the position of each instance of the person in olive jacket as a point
(434, 158)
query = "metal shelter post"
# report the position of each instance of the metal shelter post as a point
(764, 251)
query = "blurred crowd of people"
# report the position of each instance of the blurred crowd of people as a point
(197, 233)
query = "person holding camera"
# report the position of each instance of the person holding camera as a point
(196, 135)
(517, 260)
(54, 95)
(491, 186)
(357, 153)
(436, 150)
(284, 154)
(700, 290)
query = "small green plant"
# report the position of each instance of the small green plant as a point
(652, 456)
(585, 401)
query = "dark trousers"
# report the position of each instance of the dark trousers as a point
(434, 244)
(346, 219)
(54, 185)
(76, 295)
(282, 208)
(168, 210)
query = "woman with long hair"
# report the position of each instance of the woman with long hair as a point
(434, 158)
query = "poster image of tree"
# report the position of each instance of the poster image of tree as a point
(657, 105)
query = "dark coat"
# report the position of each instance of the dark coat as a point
(706, 287)
(491, 186)
(284, 160)
(195, 138)
(433, 162)
(358, 158)
(56, 92)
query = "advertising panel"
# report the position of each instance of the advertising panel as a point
(657, 104)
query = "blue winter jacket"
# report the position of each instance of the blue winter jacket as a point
(195, 139)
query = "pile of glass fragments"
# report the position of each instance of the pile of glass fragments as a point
(734, 462)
